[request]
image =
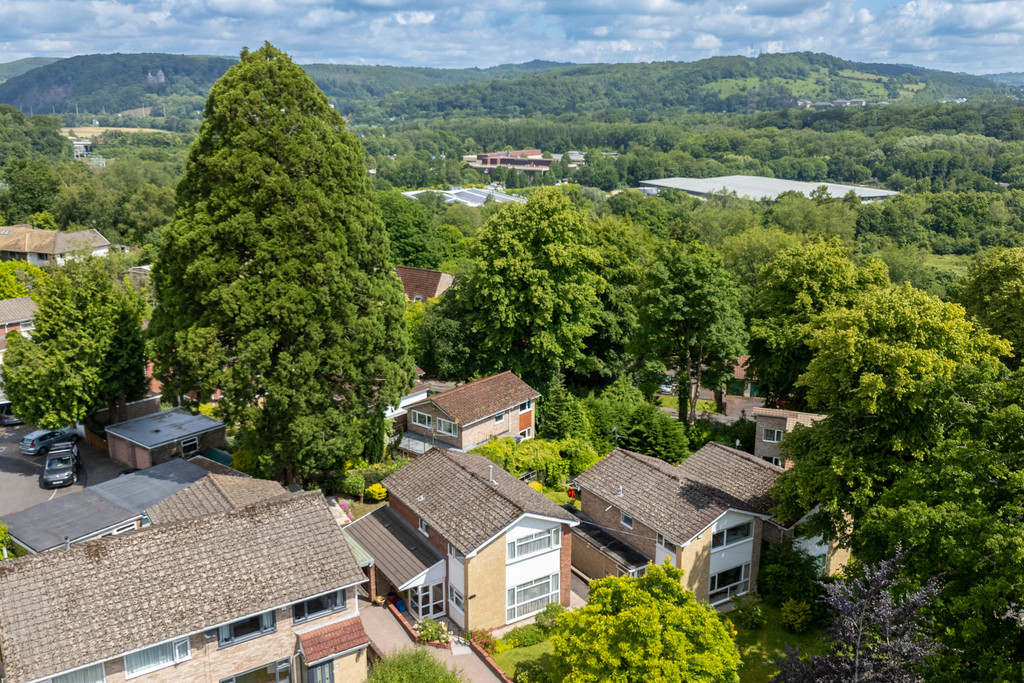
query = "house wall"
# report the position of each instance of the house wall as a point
(406, 513)
(211, 663)
(837, 559)
(641, 536)
(590, 561)
(478, 432)
(695, 561)
(485, 586)
(434, 412)
(351, 667)
(565, 565)
(762, 448)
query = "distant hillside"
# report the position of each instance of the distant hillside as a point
(1013, 78)
(9, 70)
(734, 84)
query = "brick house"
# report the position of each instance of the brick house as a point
(465, 539)
(420, 284)
(473, 414)
(156, 438)
(708, 516)
(263, 593)
(772, 425)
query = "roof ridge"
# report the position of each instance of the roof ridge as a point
(650, 464)
(214, 479)
(473, 382)
(497, 487)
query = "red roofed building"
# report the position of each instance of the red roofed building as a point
(420, 284)
(329, 647)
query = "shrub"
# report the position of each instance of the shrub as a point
(413, 664)
(483, 638)
(376, 493)
(432, 631)
(749, 612)
(788, 573)
(548, 617)
(353, 484)
(536, 486)
(525, 636)
(796, 616)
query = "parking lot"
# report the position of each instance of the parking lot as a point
(19, 474)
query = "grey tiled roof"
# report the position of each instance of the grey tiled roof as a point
(17, 310)
(66, 609)
(681, 500)
(451, 491)
(212, 494)
(398, 550)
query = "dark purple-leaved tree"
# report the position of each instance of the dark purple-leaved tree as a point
(879, 633)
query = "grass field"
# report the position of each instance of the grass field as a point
(760, 648)
(541, 653)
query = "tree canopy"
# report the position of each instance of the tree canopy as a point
(274, 283)
(993, 294)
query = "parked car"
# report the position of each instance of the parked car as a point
(41, 440)
(61, 467)
(7, 416)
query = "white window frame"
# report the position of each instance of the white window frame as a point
(456, 598)
(736, 588)
(421, 419)
(515, 549)
(424, 527)
(514, 604)
(77, 674)
(447, 427)
(666, 544)
(499, 417)
(190, 445)
(526, 407)
(527, 433)
(176, 657)
(278, 665)
(417, 298)
(723, 534)
(776, 435)
(775, 460)
(625, 520)
(454, 553)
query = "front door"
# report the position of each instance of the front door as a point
(427, 601)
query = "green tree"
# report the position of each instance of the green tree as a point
(689, 319)
(411, 232)
(532, 299)
(563, 415)
(745, 255)
(274, 283)
(414, 665)
(793, 289)
(86, 349)
(17, 278)
(993, 292)
(644, 629)
(32, 187)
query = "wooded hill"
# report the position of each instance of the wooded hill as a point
(176, 85)
(20, 66)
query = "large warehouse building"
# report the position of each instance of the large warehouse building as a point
(756, 187)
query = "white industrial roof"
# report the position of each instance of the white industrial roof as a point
(756, 187)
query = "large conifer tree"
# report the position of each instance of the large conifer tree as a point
(273, 283)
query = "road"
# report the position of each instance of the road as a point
(19, 474)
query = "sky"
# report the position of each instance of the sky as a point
(975, 37)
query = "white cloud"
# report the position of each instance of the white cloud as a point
(707, 41)
(414, 18)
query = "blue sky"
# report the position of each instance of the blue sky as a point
(977, 37)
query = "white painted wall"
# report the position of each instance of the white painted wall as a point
(735, 554)
(543, 564)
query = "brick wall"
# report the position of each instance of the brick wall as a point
(471, 435)
(641, 536)
(435, 538)
(210, 663)
(485, 586)
(434, 412)
(565, 579)
(695, 561)
(350, 668)
(762, 448)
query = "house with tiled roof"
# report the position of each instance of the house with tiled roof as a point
(472, 414)
(772, 426)
(420, 284)
(43, 247)
(213, 494)
(465, 539)
(16, 315)
(708, 516)
(263, 593)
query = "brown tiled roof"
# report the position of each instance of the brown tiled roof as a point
(792, 417)
(17, 310)
(422, 282)
(333, 639)
(65, 609)
(483, 397)
(25, 239)
(451, 491)
(400, 551)
(680, 501)
(212, 494)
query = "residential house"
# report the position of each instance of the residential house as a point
(107, 509)
(16, 315)
(263, 593)
(400, 416)
(420, 284)
(473, 414)
(772, 425)
(708, 516)
(43, 247)
(465, 539)
(152, 439)
(213, 494)
(742, 382)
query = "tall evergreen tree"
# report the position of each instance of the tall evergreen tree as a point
(274, 283)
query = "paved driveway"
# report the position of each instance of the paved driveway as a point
(19, 474)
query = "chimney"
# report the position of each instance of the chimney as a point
(67, 543)
(490, 474)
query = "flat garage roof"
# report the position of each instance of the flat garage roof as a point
(164, 427)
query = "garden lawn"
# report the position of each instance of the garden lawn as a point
(760, 648)
(540, 653)
(560, 497)
(666, 401)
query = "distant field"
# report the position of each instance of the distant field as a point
(92, 131)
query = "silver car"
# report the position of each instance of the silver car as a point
(41, 440)
(61, 468)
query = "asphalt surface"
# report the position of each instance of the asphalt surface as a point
(19, 473)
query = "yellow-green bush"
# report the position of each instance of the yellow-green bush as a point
(376, 492)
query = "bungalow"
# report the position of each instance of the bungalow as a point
(41, 247)
(772, 425)
(465, 539)
(707, 516)
(151, 439)
(473, 414)
(264, 593)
